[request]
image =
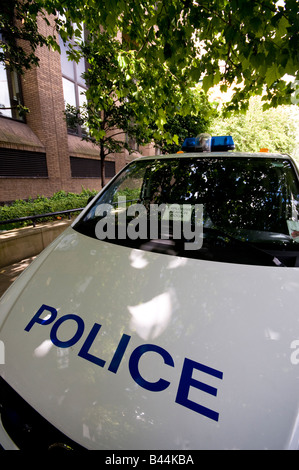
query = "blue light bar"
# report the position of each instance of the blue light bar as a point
(192, 144)
(222, 143)
(216, 144)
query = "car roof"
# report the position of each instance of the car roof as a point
(215, 155)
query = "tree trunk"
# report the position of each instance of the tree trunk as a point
(102, 155)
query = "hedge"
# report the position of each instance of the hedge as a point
(60, 201)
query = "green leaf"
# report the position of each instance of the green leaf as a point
(272, 75)
(207, 82)
(175, 138)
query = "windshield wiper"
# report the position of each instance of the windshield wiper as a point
(229, 248)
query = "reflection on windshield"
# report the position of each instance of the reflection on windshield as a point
(247, 204)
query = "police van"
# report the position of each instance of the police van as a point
(166, 316)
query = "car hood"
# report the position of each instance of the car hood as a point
(126, 349)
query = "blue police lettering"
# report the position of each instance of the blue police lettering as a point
(47, 315)
(42, 321)
(74, 339)
(84, 351)
(187, 381)
(161, 384)
(119, 353)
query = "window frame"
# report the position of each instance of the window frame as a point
(13, 82)
(75, 79)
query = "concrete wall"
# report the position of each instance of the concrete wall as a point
(22, 243)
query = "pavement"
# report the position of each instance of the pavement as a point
(9, 274)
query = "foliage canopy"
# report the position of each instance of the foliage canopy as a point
(275, 129)
(250, 44)
(128, 105)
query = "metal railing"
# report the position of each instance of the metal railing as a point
(34, 218)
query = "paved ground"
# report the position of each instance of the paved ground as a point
(9, 273)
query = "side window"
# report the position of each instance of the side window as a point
(74, 86)
(10, 92)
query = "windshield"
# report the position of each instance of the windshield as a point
(231, 209)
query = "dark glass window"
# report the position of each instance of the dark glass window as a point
(249, 208)
(22, 164)
(90, 168)
(74, 86)
(10, 93)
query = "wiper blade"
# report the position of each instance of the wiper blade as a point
(240, 251)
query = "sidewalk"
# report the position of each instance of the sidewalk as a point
(8, 274)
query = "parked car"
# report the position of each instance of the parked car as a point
(165, 317)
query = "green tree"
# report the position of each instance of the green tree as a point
(251, 44)
(274, 129)
(189, 125)
(19, 35)
(122, 103)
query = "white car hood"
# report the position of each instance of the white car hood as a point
(178, 353)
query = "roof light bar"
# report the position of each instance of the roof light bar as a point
(205, 143)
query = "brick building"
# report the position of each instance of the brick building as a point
(38, 155)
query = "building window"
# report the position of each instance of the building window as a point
(74, 86)
(132, 143)
(10, 93)
(22, 164)
(90, 168)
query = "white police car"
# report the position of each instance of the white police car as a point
(166, 317)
